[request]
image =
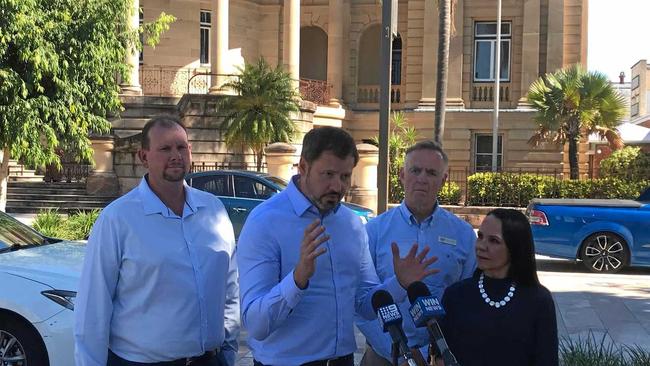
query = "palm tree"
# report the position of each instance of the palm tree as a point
(445, 29)
(260, 113)
(573, 102)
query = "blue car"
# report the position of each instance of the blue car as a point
(241, 190)
(605, 235)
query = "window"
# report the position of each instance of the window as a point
(485, 39)
(215, 184)
(396, 62)
(635, 82)
(249, 188)
(141, 56)
(205, 25)
(483, 152)
(634, 110)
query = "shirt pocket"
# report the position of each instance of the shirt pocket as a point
(449, 263)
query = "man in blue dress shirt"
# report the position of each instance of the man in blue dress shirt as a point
(304, 263)
(159, 281)
(418, 219)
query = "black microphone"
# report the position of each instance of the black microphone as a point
(424, 311)
(390, 320)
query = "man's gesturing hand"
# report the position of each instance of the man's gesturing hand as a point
(412, 267)
(309, 251)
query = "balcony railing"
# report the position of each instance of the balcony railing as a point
(485, 92)
(173, 81)
(317, 91)
(370, 94)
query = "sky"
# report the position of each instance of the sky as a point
(619, 35)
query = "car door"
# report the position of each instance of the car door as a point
(249, 193)
(220, 184)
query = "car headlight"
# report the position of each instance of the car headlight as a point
(61, 297)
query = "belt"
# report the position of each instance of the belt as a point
(343, 361)
(116, 360)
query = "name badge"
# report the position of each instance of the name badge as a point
(445, 240)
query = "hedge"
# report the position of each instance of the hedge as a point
(516, 190)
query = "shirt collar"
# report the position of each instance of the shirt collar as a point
(300, 202)
(152, 204)
(410, 219)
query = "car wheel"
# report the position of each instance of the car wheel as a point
(604, 253)
(20, 343)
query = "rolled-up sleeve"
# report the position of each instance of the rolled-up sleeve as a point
(94, 301)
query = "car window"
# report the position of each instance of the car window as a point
(215, 184)
(246, 187)
(278, 181)
(13, 232)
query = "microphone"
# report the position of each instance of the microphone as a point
(424, 311)
(390, 320)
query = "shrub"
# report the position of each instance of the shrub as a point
(591, 352)
(449, 194)
(628, 163)
(48, 222)
(511, 189)
(75, 227)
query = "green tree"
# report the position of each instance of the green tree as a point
(571, 103)
(260, 112)
(401, 137)
(59, 63)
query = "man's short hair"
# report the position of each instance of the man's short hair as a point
(166, 121)
(333, 139)
(429, 145)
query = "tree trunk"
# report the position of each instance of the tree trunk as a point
(259, 154)
(573, 157)
(4, 177)
(444, 33)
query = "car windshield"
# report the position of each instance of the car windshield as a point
(14, 234)
(278, 181)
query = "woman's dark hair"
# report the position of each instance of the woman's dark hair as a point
(333, 139)
(518, 237)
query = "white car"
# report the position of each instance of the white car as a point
(38, 282)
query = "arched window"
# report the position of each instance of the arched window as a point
(313, 53)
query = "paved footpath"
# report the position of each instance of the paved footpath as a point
(616, 307)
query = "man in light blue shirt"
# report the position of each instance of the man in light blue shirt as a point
(305, 266)
(159, 282)
(418, 219)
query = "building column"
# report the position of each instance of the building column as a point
(102, 179)
(455, 74)
(292, 40)
(132, 85)
(335, 45)
(429, 52)
(280, 158)
(364, 177)
(530, 52)
(219, 51)
(555, 34)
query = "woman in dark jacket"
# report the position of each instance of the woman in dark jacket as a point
(502, 315)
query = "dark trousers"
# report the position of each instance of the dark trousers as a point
(341, 361)
(208, 359)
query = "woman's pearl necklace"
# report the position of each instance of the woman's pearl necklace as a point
(496, 304)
